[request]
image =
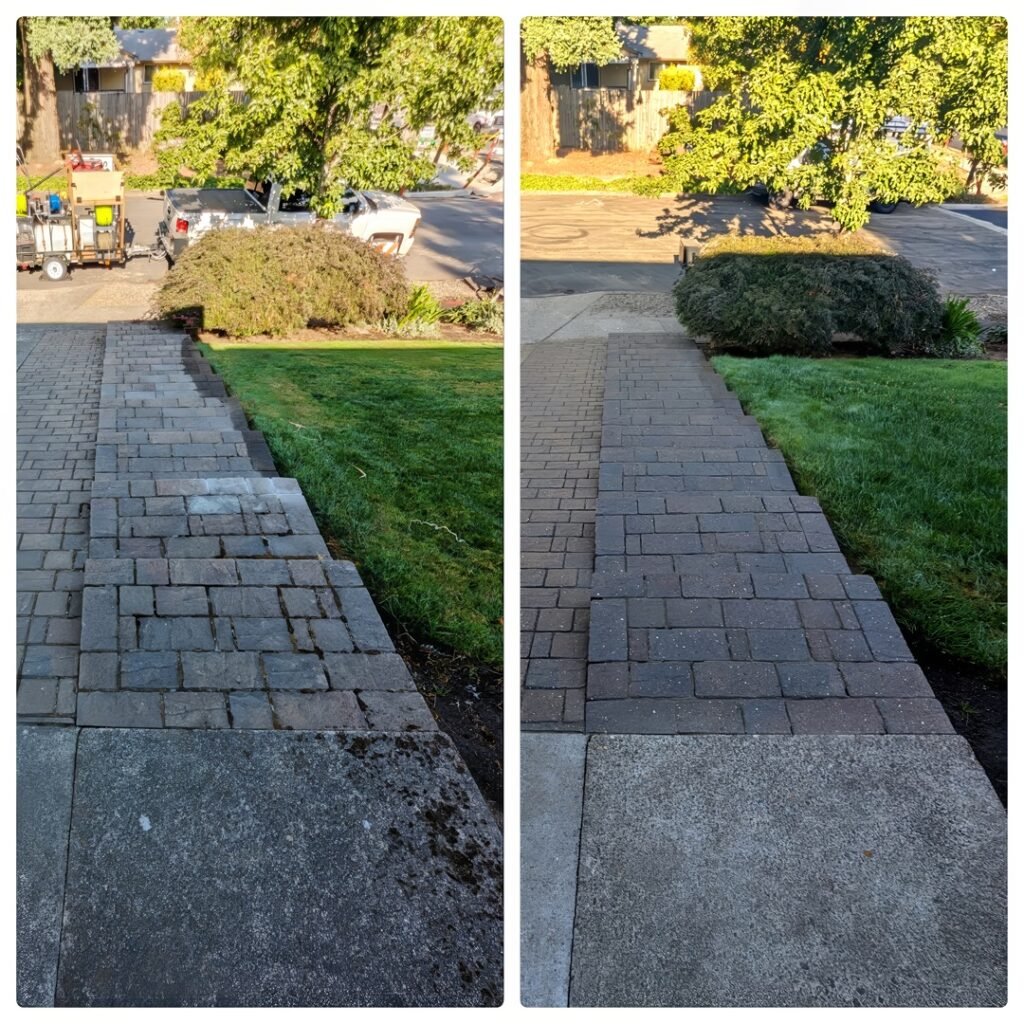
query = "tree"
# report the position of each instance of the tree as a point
(561, 44)
(807, 100)
(62, 44)
(443, 70)
(331, 102)
(973, 56)
(142, 22)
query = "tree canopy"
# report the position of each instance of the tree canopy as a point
(69, 42)
(567, 42)
(806, 101)
(332, 102)
(142, 22)
(63, 43)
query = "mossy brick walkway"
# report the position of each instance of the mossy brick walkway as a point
(219, 751)
(208, 597)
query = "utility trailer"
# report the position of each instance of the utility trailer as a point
(90, 226)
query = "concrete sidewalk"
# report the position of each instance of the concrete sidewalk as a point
(591, 315)
(820, 867)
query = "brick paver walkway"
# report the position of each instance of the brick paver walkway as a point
(560, 416)
(59, 376)
(719, 602)
(210, 599)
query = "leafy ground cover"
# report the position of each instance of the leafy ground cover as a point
(634, 184)
(398, 448)
(909, 460)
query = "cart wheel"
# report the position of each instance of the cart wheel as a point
(55, 269)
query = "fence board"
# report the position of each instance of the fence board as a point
(618, 120)
(114, 120)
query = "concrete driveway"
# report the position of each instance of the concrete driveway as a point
(584, 243)
(459, 236)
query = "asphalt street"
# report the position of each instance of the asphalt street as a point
(584, 243)
(990, 215)
(459, 236)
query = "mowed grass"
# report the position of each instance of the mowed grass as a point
(398, 449)
(909, 460)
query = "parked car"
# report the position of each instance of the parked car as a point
(386, 221)
(486, 120)
(785, 199)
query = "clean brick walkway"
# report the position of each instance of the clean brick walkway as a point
(719, 600)
(560, 416)
(210, 599)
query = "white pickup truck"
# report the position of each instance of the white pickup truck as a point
(386, 221)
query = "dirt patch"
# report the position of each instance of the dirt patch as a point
(467, 700)
(598, 165)
(142, 161)
(976, 706)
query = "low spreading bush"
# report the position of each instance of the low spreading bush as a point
(792, 295)
(274, 280)
(487, 315)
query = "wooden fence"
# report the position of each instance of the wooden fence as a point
(618, 120)
(120, 121)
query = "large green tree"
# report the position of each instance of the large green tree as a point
(62, 44)
(332, 102)
(131, 22)
(556, 43)
(806, 100)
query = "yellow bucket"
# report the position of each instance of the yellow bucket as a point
(22, 204)
(104, 216)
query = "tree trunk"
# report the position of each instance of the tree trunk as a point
(42, 126)
(26, 64)
(538, 111)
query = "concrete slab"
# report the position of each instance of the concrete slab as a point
(283, 869)
(789, 871)
(596, 314)
(541, 317)
(45, 779)
(551, 796)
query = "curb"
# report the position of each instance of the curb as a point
(976, 221)
(452, 193)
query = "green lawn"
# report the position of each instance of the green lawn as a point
(909, 461)
(398, 448)
(633, 184)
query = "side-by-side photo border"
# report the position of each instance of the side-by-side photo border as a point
(260, 322)
(764, 511)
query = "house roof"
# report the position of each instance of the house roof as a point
(656, 42)
(151, 46)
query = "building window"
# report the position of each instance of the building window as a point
(584, 77)
(654, 69)
(147, 76)
(87, 80)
